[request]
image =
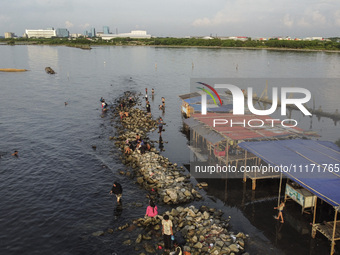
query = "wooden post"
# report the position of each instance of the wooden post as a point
(313, 228)
(253, 186)
(334, 228)
(279, 198)
(245, 164)
(227, 152)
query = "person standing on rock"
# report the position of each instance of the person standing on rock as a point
(167, 232)
(117, 190)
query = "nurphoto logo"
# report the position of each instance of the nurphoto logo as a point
(238, 99)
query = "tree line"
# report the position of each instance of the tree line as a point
(332, 44)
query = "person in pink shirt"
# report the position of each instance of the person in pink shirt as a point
(151, 210)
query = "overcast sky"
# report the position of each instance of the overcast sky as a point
(254, 18)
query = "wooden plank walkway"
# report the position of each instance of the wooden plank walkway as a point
(327, 229)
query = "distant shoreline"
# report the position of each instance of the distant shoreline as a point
(239, 48)
(90, 45)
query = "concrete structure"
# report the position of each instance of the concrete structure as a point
(318, 38)
(40, 33)
(93, 32)
(137, 34)
(62, 32)
(76, 35)
(9, 35)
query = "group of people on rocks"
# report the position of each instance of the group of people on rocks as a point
(138, 145)
(152, 212)
(141, 146)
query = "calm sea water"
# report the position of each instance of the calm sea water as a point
(55, 194)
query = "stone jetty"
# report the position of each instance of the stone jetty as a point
(154, 172)
(203, 230)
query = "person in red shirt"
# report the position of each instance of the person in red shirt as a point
(151, 210)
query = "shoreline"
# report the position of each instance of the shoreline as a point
(89, 46)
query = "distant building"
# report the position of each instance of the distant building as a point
(40, 33)
(235, 38)
(76, 35)
(106, 30)
(9, 35)
(93, 32)
(62, 32)
(133, 34)
(313, 38)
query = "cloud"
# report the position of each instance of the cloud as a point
(288, 21)
(68, 24)
(318, 18)
(303, 23)
(337, 18)
(84, 26)
(228, 15)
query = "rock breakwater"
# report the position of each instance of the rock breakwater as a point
(153, 171)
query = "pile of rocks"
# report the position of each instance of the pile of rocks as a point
(154, 172)
(204, 231)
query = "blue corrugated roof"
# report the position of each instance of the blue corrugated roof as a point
(315, 165)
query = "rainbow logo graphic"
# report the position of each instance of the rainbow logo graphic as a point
(209, 93)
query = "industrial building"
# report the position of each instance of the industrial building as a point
(137, 34)
(40, 33)
(9, 35)
(62, 32)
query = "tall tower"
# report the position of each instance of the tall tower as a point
(106, 30)
(93, 32)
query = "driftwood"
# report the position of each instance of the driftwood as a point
(49, 70)
(12, 70)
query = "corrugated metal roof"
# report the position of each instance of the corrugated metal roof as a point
(312, 164)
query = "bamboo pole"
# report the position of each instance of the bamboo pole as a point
(314, 216)
(334, 228)
(278, 199)
(315, 202)
(245, 164)
(12, 70)
(227, 152)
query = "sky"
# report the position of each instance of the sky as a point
(253, 18)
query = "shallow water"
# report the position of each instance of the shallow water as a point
(55, 194)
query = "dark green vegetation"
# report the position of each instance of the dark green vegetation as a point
(331, 44)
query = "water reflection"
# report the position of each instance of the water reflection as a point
(41, 56)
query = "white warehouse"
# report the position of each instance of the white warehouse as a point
(40, 33)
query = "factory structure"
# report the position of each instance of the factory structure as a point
(47, 33)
